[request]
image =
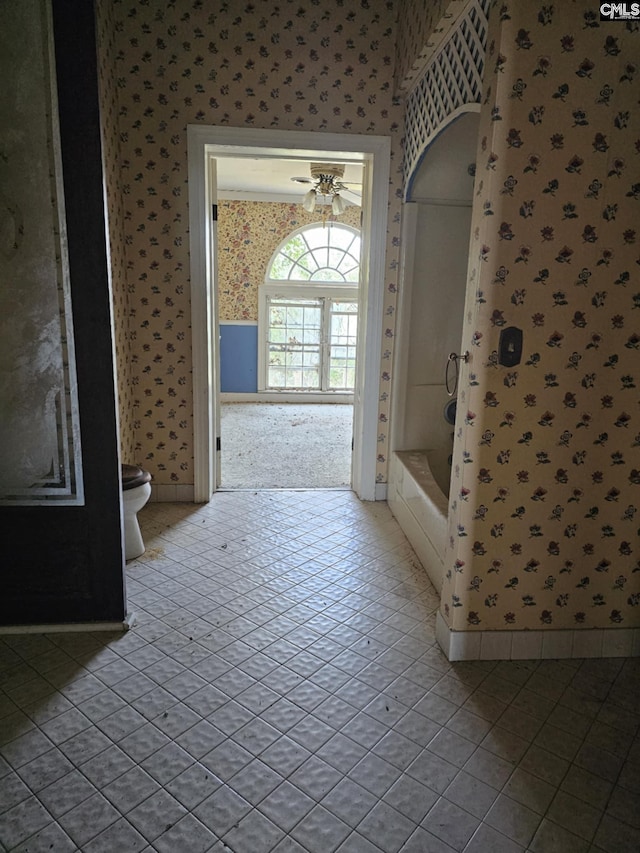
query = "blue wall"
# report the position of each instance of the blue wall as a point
(238, 358)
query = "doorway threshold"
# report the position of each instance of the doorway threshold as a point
(284, 489)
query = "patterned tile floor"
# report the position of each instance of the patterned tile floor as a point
(282, 691)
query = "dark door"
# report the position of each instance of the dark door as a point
(61, 555)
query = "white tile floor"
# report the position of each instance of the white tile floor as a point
(282, 691)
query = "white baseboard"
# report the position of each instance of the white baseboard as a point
(537, 645)
(172, 493)
(71, 627)
(381, 492)
(284, 397)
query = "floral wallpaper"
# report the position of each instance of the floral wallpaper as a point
(422, 25)
(111, 154)
(249, 232)
(545, 499)
(313, 65)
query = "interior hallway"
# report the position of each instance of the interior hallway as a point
(282, 691)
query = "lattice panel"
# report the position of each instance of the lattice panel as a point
(452, 79)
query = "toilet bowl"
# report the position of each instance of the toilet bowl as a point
(136, 489)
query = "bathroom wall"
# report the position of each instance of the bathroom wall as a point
(543, 522)
(419, 26)
(105, 31)
(314, 67)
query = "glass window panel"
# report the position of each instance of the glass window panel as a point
(296, 247)
(342, 238)
(277, 377)
(347, 264)
(316, 236)
(336, 258)
(277, 335)
(300, 273)
(328, 275)
(308, 262)
(310, 379)
(281, 267)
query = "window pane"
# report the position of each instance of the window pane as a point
(281, 267)
(328, 275)
(347, 264)
(344, 239)
(295, 247)
(300, 273)
(336, 258)
(308, 262)
(316, 236)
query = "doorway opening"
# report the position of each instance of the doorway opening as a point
(209, 147)
(287, 407)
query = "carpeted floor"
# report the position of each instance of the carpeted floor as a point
(286, 445)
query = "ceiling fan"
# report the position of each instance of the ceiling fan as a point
(328, 187)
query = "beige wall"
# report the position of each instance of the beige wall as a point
(325, 67)
(249, 232)
(417, 25)
(546, 489)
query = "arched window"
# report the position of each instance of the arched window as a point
(308, 311)
(317, 253)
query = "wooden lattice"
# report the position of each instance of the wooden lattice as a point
(451, 80)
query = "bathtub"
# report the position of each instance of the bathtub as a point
(418, 498)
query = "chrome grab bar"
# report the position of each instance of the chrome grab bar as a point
(454, 358)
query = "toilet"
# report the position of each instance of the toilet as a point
(136, 489)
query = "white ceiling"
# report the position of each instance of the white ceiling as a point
(262, 179)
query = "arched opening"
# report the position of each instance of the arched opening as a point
(436, 232)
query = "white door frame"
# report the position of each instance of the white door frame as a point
(373, 152)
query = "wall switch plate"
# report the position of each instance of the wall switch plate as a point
(510, 346)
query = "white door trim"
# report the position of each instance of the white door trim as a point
(374, 152)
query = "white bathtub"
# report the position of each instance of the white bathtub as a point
(418, 498)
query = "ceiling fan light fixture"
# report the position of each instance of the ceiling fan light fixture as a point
(309, 201)
(326, 178)
(337, 205)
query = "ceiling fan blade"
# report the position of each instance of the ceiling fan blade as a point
(357, 194)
